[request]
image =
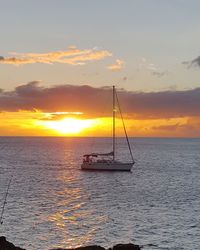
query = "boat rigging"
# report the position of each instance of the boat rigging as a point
(107, 161)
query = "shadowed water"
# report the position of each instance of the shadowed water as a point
(51, 203)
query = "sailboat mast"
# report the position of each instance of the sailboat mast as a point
(113, 123)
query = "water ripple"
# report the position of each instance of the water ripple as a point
(52, 203)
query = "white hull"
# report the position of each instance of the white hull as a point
(111, 166)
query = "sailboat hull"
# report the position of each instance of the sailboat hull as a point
(107, 166)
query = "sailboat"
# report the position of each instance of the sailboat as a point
(107, 161)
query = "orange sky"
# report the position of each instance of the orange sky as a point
(81, 110)
(65, 110)
(26, 123)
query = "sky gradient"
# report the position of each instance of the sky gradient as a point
(56, 57)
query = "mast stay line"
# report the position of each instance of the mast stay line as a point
(124, 127)
(113, 123)
(5, 201)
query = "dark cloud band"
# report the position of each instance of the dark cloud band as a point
(194, 63)
(97, 102)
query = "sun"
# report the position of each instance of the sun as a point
(69, 126)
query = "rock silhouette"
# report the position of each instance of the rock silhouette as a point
(95, 247)
(126, 247)
(6, 245)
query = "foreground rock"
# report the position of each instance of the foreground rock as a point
(126, 247)
(95, 247)
(6, 245)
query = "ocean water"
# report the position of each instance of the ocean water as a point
(52, 203)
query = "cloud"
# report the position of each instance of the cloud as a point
(190, 128)
(159, 73)
(168, 127)
(59, 115)
(155, 70)
(119, 64)
(97, 102)
(193, 63)
(145, 64)
(72, 56)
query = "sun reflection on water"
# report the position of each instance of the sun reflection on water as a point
(74, 219)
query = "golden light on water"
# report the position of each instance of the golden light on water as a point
(73, 218)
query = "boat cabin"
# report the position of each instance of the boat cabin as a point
(90, 158)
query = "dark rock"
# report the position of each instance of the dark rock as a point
(126, 247)
(6, 245)
(94, 247)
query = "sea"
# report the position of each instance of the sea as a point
(51, 203)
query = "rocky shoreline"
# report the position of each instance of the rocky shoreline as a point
(6, 245)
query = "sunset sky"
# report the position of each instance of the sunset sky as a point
(60, 58)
